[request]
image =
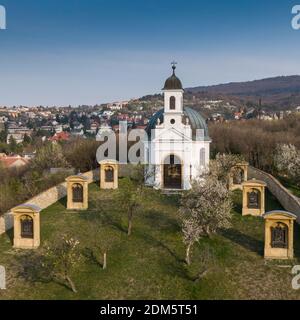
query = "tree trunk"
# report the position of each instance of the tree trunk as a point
(71, 283)
(188, 254)
(130, 223)
(104, 260)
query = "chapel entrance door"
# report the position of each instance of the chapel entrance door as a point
(172, 173)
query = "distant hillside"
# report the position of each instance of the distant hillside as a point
(279, 92)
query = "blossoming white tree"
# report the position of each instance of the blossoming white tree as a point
(61, 259)
(287, 161)
(204, 210)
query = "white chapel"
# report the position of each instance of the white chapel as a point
(179, 144)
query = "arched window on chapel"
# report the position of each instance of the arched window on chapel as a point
(172, 103)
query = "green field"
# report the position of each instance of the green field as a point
(149, 264)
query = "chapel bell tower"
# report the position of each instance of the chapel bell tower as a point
(173, 96)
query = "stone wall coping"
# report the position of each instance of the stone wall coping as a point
(77, 177)
(108, 161)
(289, 201)
(242, 163)
(254, 182)
(277, 182)
(28, 207)
(280, 212)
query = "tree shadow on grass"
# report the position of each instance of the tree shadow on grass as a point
(158, 243)
(10, 235)
(176, 266)
(237, 196)
(160, 221)
(237, 207)
(244, 240)
(271, 202)
(173, 199)
(89, 255)
(176, 269)
(95, 184)
(105, 218)
(63, 201)
(30, 266)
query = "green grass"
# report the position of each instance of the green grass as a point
(149, 264)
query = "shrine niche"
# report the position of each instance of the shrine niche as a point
(238, 175)
(26, 226)
(279, 234)
(253, 197)
(77, 192)
(109, 174)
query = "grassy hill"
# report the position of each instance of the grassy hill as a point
(149, 265)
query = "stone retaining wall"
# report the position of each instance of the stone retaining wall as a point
(45, 199)
(289, 202)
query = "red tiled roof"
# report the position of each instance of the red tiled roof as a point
(9, 162)
(62, 136)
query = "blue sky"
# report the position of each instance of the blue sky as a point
(61, 52)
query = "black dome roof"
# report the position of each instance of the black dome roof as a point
(173, 83)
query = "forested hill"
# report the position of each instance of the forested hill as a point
(283, 92)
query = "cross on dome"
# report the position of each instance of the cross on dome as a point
(173, 83)
(174, 63)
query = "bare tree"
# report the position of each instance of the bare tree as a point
(100, 244)
(204, 210)
(49, 156)
(140, 173)
(130, 197)
(100, 247)
(81, 154)
(256, 140)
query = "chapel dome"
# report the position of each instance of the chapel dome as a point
(196, 121)
(173, 83)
